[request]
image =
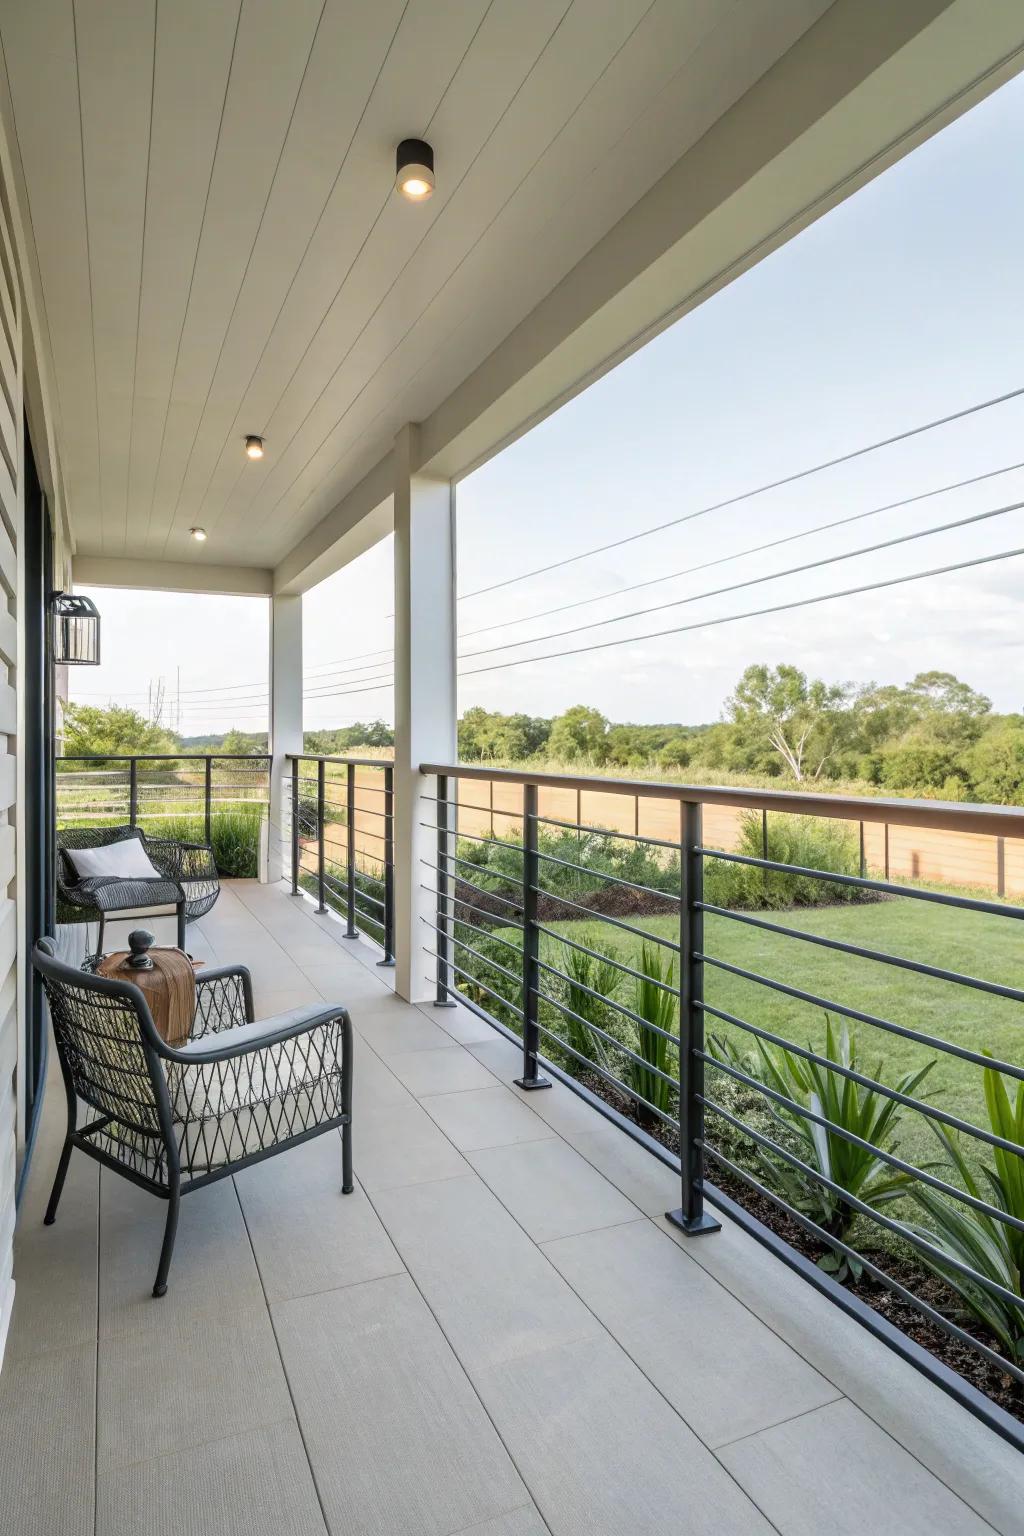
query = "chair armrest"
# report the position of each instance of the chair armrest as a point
(223, 999)
(269, 1032)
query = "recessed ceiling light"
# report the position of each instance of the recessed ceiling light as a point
(254, 447)
(199, 534)
(414, 170)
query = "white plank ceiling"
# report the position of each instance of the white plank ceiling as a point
(221, 250)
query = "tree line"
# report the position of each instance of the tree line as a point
(933, 736)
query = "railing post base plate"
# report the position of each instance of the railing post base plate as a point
(444, 1002)
(388, 961)
(693, 1226)
(532, 1082)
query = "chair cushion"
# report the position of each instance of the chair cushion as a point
(227, 1110)
(126, 860)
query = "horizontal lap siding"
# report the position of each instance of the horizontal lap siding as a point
(10, 523)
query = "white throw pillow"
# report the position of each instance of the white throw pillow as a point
(127, 860)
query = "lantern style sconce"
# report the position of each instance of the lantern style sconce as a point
(76, 630)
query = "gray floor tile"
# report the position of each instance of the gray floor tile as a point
(451, 1070)
(307, 1235)
(952, 1443)
(602, 1451)
(398, 1028)
(374, 1082)
(493, 1291)
(631, 1168)
(182, 1384)
(835, 1469)
(485, 1117)
(398, 1143)
(501, 1057)
(245, 1485)
(550, 1190)
(47, 1423)
(396, 1436)
(521, 1522)
(723, 1369)
(55, 1267)
(213, 1269)
(459, 1022)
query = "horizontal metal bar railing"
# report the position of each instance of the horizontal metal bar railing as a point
(345, 890)
(840, 946)
(863, 883)
(945, 815)
(561, 1011)
(829, 1005)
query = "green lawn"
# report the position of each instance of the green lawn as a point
(972, 943)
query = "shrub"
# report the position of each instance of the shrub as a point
(864, 1112)
(660, 1009)
(234, 838)
(992, 1247)
(806, 841)
(585, 977)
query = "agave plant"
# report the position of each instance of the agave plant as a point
(659, 1008)
(992, 1248)
(849, 1106)
(587, 975)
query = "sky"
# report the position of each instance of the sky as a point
(902, 305)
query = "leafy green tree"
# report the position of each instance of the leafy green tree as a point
(579, 733)
(90, 731)
(996, 763)
(945, 694)
(804, 722)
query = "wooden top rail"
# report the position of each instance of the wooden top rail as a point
(322, 757)
(943, 815)
(162, 757)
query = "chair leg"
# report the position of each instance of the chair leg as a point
(99, 935)
(181, 925)
(58, 1183)
(347, 1184)
(170, 1229)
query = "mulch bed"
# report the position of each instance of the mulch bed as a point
(987, 1379)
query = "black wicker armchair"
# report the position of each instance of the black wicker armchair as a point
(188, 880)
(175, 1118)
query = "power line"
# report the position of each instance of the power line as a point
(760, 490)
(754, 549)
(753, 581)
(732, 618)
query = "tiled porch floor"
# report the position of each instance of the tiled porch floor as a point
(497, 1334)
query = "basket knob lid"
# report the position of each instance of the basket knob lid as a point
(140, 941)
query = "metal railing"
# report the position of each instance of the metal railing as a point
(153, 788)
(514, 938)
(340, 832)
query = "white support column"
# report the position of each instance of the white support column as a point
(425, 704)
(285, 723)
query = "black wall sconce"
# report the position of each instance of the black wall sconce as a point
(76, 630)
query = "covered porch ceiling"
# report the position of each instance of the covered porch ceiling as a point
(218, 250)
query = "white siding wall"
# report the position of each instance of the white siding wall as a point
(10, 523)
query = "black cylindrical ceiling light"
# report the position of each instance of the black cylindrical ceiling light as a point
(76, 630)
(414, 170)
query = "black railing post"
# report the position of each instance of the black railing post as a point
(389, 867)
(133, 792)
(351, 931)
(531, 1077)
(208, 802)
(320, 819)
(691, 1215)
(863, 854)
(296, 766)
(445, 985)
